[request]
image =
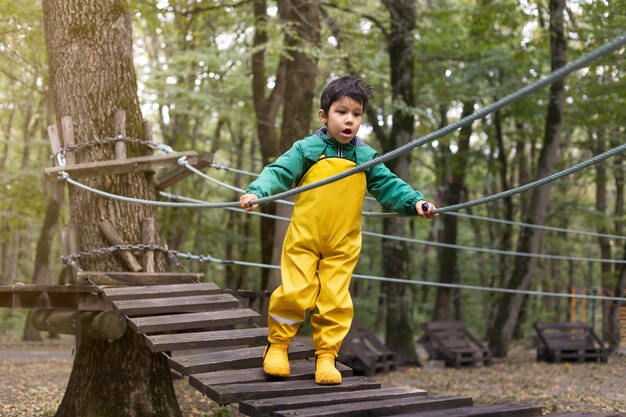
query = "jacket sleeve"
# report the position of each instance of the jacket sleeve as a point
(391, 191)
(281, 175)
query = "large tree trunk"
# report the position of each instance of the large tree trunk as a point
(510, 304)
(399, 323)
(92, 75)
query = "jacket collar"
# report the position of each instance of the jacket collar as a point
(322, 133)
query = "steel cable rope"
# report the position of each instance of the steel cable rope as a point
(451, 213)
(196, 171)
(536, 226)
(253, 174)
(427, 242)
(204, 258)
(511, 98)
(174, 255)
(183, 161)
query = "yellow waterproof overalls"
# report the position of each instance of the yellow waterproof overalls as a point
(320, 251)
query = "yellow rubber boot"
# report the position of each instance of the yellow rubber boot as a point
(325, 371)
(276, 360)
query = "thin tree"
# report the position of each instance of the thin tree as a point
(296, 73)
(91, 75)
(510, 304)
(400, 44)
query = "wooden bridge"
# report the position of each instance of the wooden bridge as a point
(178, 318)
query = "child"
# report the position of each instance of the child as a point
(323, 241)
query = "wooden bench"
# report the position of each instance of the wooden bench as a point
(451, 342)
(573, 342)
(364, 353)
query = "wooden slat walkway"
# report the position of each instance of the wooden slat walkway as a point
(207, 336)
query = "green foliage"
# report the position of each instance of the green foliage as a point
(222, 412)
(12, 323)
(193, 63)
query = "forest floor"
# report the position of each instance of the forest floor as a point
(34, 376)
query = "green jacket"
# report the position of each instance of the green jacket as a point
(286, 172)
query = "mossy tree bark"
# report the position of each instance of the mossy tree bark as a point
(92, 76)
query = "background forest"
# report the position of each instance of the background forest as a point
(241, 79)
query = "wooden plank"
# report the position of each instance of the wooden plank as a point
(264, 407)
(176, 304)
(121, 166)
(494, 410)
(136, 278)
(424, 403)
(46, 288)
(159, 291)
(302, 369)
(226, 338)
(187, 321)
(226, 394)
(179, 173)
(196, 340)
(205, 365)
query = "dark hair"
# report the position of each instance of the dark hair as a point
(347, 86)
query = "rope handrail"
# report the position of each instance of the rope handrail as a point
(427, 242)
(452, 213)
(511, 98)
(534, 184)
(515, 96)
(535, 226)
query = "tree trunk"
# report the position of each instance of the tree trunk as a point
(400, 41)
(614, 330)
(92, 76)
(452, 191)
(510, 304)
(266, 109)
(296, 74)
(41, 272)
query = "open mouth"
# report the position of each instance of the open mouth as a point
(347, 132)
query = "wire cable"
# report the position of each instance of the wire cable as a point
(535, 226)
(204, 258)
(511, 98)
(428, 242)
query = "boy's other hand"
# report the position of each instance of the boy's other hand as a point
(424, 209)
(244, 201)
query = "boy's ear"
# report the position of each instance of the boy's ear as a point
(322, 114)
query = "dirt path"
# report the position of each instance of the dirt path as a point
(34, 377)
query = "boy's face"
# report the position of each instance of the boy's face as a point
(343, 119)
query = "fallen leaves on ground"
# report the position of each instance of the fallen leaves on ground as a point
(556, 387)
(34, 386)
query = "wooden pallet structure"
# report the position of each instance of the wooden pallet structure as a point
(364, 353)
(451, 342)
(207, 337)
(571, 342)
